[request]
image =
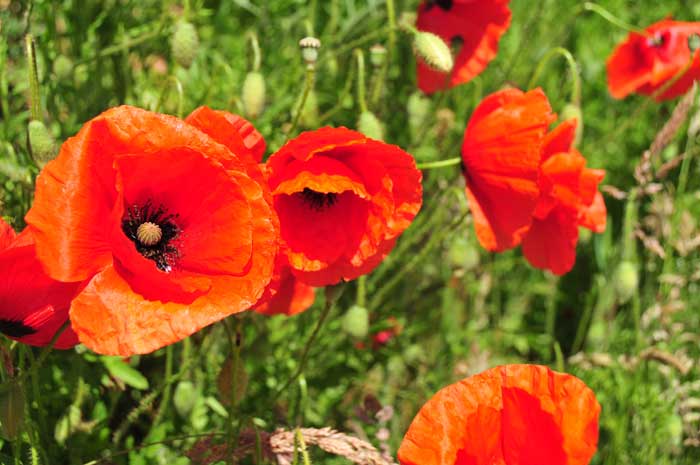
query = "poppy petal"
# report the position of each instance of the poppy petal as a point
(550, 243)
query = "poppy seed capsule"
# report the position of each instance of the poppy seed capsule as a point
(572, 111)
(184, 43)
(41, 143)
(253, 94)
(626, 281)
(309, 49)
(433, 51)
(149, 233)
(377, 55)
(369, 125)
(356, 322)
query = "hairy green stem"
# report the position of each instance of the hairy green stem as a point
(235, 343)
(439, 164)
(308, 86)
(172, 82)
(34, 96)
(361, 100)
(252, 39)
(347, 88)
(611, 18)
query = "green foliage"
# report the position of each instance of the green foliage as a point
(451, 308)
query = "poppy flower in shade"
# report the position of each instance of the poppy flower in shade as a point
(569, 198)
(342, 200)
(645, 63)
(174, 229)
(33, 307)
(289, 297)
(508, 415)
(477, 25)
(501, 154)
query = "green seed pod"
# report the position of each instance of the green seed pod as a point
(184, 43)
(626, 281)
(433, 51)
(572, 111)
(253, 95)
(184, 398)
(369, 125)
(356, 322)
(41, 143)
(309, 49)
(418, 107)
(63, 67)
(11, 411)
(377, 55)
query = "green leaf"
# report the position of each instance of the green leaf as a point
(121, 370)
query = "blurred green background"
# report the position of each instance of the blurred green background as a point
(625, 320)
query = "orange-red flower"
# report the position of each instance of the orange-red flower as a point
(569, 198)
(508, 415)
(33, 307)
(342, 200)
(501, 155)
(526, 186)
(477, 26)
(174, 229)
(645, 63)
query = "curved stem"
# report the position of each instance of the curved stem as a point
(611, 18)
(353, 44)
(308, 85)
(347, 87)
(34, 97)
(252, 39)
(361, 100)
(439, 164)
(573, 69)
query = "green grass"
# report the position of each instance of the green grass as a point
(461, 309)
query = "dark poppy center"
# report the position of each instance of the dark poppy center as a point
(14, 328)
(152, 230)
(318, 200)
(444, 4)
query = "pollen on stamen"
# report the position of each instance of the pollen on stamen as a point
(149, 233)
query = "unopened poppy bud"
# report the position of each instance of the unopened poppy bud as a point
(309, 49)
(253, 95)
(572, 111)
(41, 143)
(433, 51)
(184, 43)
(377, 55)
(369, 125)
(418, 107)
(184, 398)
(356, 322)
(63, 67)
(11, 411)
(225, 382)
(626, 281)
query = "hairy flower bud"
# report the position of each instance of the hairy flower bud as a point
(184, 43)
(369, 125)
(572, 111)
(626, 281)
(433, 51)
(41, 143)
(356, 322)
(253, 95)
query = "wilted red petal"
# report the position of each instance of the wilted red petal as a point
(508, 415)
(501, 155)
(478, 24)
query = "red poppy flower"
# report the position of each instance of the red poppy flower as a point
(174, 229)
(342, 200)
(477, 24)
(645, 63)
(33, 307)
(501, 155)
(569, 198)
(285, 295)
(508, 415)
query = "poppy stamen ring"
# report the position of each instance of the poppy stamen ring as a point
(149, 233)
